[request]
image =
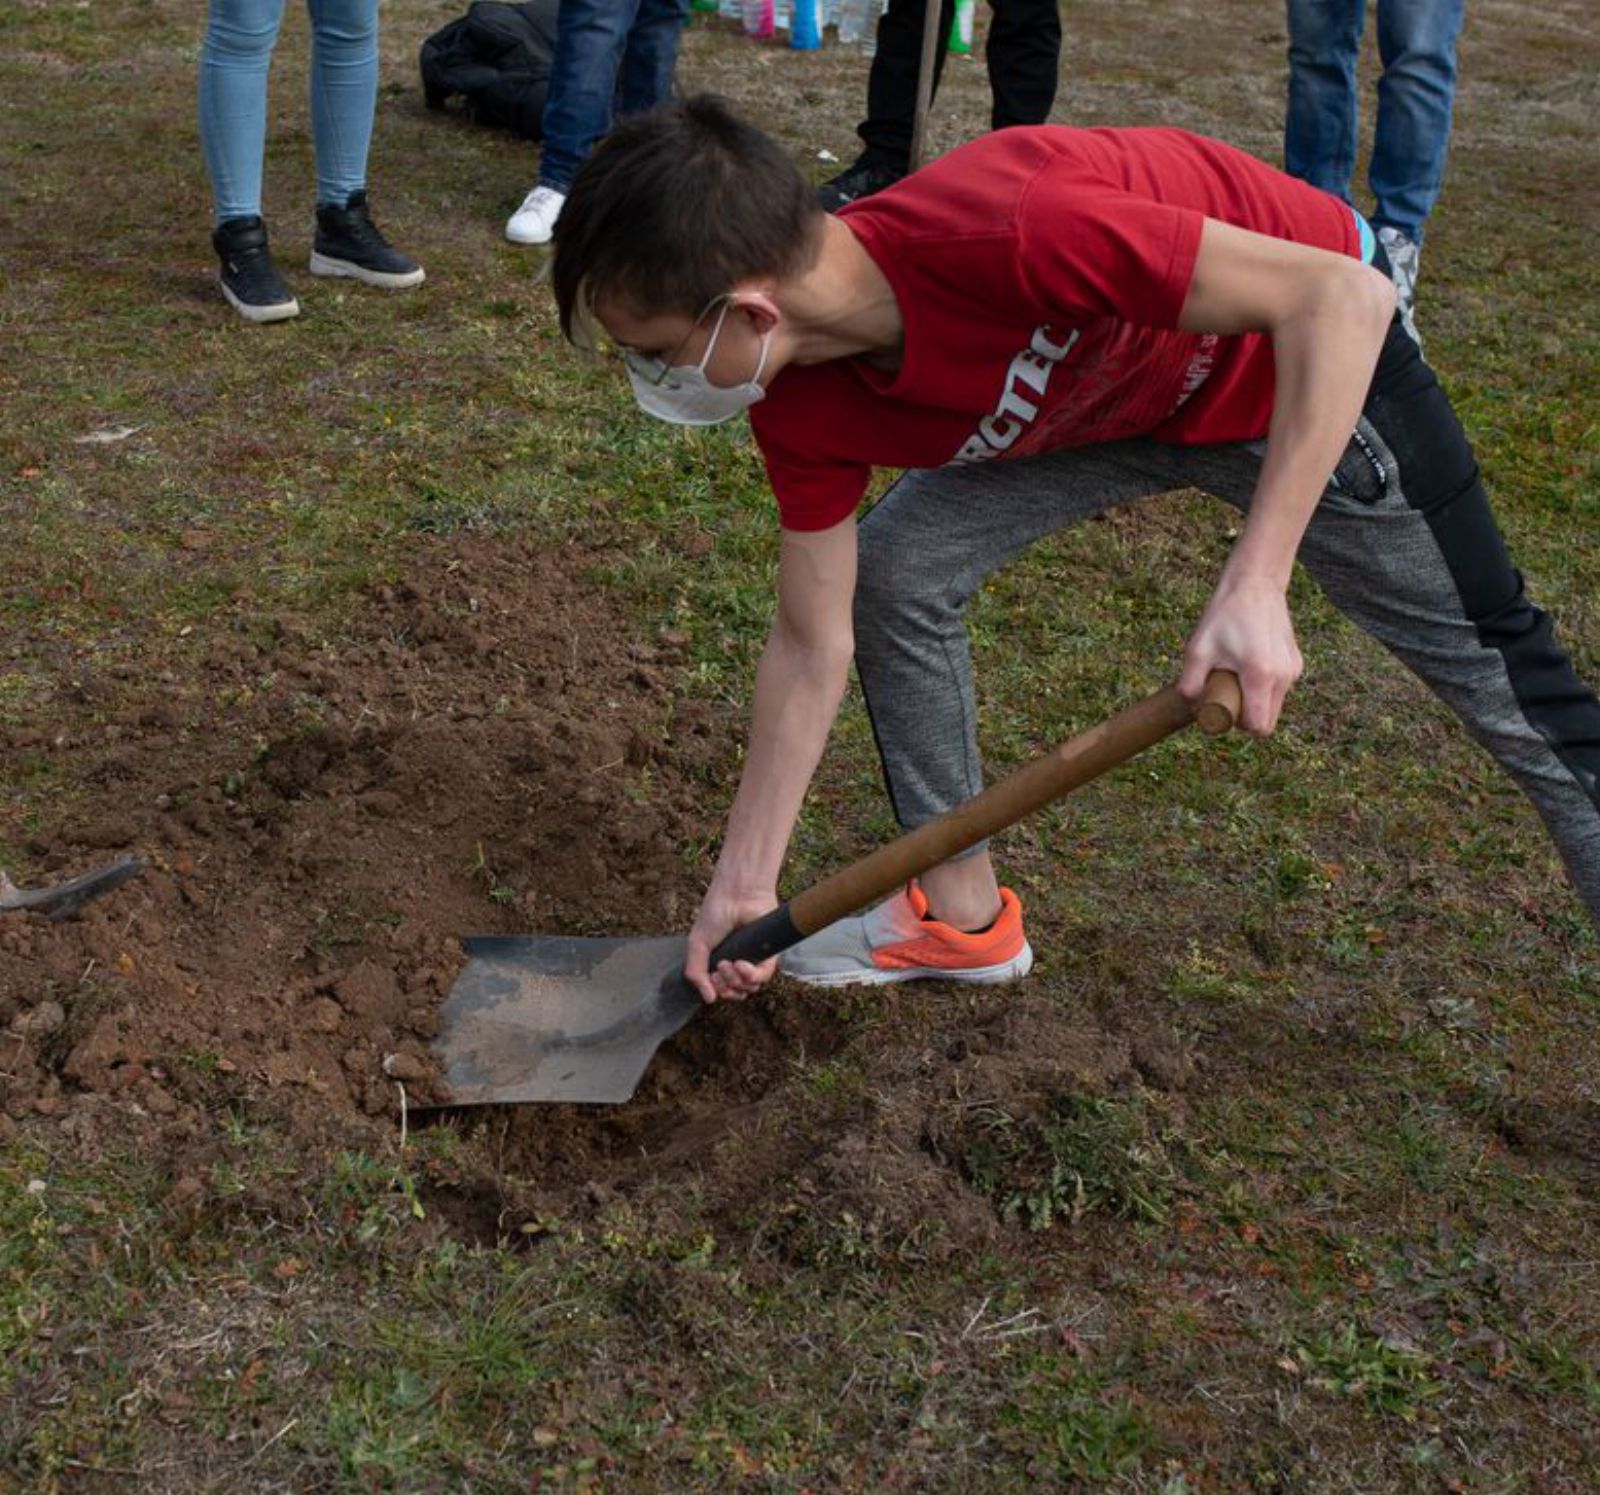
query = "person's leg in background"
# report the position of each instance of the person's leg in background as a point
(344, 97)
(1416, 99)
(892, 83)
(1319, 132)
(1023, 54)
(650, 56)
(344, 93)
(591, 36)
(1024, 60)
(234, 60)
(891, 103)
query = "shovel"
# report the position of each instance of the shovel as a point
(932, 39)
(554, 1019)
(66, 898)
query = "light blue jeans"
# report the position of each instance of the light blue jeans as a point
(233, 97)
(1416, 93)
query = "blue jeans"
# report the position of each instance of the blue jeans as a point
(1416, 92)
(233, 97)
(612, 57)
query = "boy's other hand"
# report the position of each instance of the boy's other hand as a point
(720, 914)
(1246, 628)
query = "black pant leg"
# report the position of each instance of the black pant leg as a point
(1024, 58)
(892, 84)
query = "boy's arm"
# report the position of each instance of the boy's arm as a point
(799, 683)
(1327, 315)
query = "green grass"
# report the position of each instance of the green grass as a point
(1085, 1154)
(1389, 1376)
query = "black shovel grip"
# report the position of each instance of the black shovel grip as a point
(769, 935)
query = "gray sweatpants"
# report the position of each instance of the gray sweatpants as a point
(1403, 542)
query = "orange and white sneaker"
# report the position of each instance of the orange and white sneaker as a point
(897, 941)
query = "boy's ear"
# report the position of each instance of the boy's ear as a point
(757, 307)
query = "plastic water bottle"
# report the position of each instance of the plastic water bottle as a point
(858, 23)
(805, 28)
(758, 19)
(960, 43)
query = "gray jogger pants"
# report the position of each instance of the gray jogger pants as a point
(1403, 543)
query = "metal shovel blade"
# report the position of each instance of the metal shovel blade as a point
(65, 899)
(552, 1019)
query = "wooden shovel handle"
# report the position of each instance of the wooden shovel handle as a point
(932, 40)
(1020, 794)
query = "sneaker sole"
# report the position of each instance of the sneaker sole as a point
(279, 311)
(322, 264)
(997, 975)
(525, 239)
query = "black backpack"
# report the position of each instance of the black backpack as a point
(498, 58)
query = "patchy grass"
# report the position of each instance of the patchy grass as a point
(1086, 1153)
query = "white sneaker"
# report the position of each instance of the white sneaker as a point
(897, 941)
(535, 221)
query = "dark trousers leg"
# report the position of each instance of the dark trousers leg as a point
(1024, 59)
(892, 84)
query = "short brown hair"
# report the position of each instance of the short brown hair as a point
(675, 207)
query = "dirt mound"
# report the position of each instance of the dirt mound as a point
(885, 1150)
(486, 750)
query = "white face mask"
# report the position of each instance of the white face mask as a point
(684, 395)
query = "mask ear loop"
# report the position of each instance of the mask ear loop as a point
(711, 347)
(716, 332)
(761, 362)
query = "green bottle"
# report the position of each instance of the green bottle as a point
(960, 43)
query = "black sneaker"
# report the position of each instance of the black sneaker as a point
(869, 174)
(348, 243)
(250, 280)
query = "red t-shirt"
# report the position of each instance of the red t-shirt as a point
(1039, 274)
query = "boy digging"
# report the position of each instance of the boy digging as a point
(1042, 324)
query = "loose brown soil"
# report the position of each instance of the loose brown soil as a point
(464, 760)
(489, 748)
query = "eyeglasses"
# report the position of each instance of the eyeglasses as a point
(655, 370)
